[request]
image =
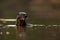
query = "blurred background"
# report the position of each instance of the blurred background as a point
(46, 12)
(39, 11)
